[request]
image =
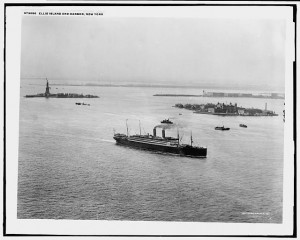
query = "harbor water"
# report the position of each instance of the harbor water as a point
(70, 167)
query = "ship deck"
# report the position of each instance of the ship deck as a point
(154, 141)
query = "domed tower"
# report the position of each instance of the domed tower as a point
(47, 93)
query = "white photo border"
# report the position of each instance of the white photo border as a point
(14, 14)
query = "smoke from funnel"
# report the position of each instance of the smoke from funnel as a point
(165, 126)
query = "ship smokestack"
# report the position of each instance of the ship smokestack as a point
(163, 133)
(154, 132)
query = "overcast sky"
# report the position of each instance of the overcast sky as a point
(240, 52)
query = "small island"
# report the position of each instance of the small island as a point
(47, 94)
(176, 95)
(222, 109)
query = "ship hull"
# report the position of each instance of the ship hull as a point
(178, 150)
(193, 152)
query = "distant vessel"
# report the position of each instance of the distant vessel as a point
(243, 125)
(167, 121)
(222, 128)
(47, 94)
(78, 103)
(160, 144)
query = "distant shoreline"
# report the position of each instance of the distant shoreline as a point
(236, 96)
(152, 86)
(222, 95)
(122, 85)
(177, 95)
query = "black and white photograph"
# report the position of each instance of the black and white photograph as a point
(150, 120)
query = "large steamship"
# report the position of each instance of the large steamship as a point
(160, 144)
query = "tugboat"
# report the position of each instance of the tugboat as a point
(160, 144)
(222, 128)
(167, 121)
(243, 125)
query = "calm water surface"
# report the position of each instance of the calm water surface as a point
(70, 167)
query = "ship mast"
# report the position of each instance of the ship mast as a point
(178, 137)
(140, 127)
(127, 127)
(191, 139)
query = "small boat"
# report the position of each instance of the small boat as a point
(222, 128)
(167, 121)
(78, 103)
(180, 113)
(243, 125)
